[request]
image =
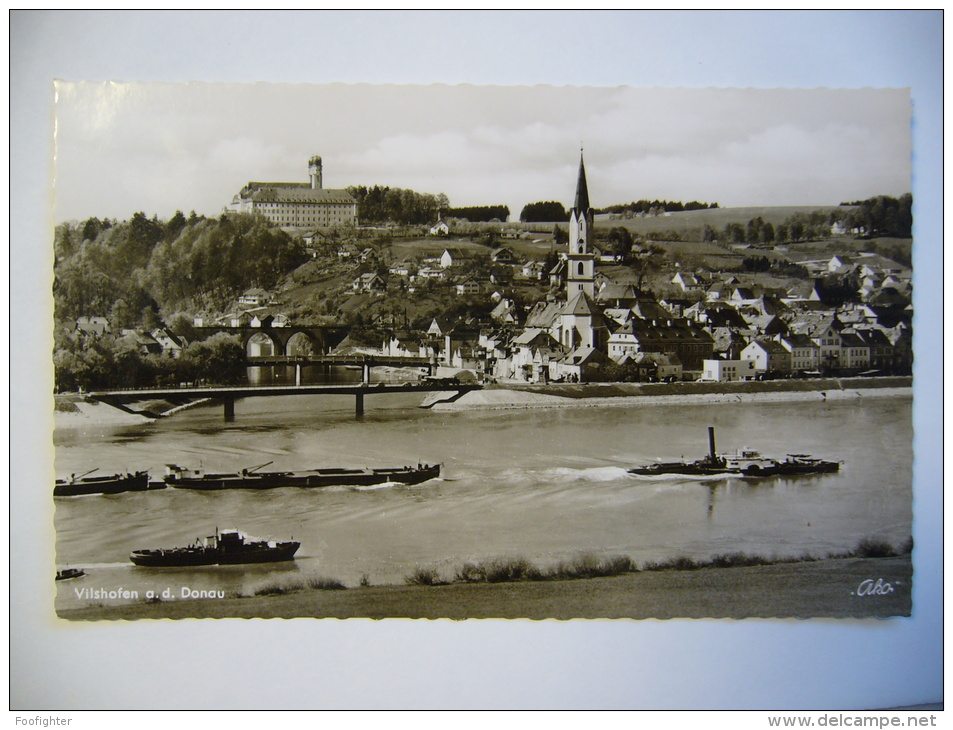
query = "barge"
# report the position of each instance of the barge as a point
(114, 484)
(183, 478)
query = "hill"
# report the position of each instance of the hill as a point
(694, 221)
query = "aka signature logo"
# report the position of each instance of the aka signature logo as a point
(880, 587)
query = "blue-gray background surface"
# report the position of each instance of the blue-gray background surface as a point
(819, 664)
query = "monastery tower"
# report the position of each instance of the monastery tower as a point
(314, 172)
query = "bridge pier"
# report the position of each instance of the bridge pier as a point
(359, 405)
(229, 408)
(298, 373)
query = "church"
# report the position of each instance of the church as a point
(298, 205)
(577, 324)
(581, 322)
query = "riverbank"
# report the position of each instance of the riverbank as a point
(582, 395)
(74, 411)
(835, 588)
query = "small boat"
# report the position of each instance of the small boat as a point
(113, 484)
(182, 478)
(228, 547)
(68, 573)
(743, 462)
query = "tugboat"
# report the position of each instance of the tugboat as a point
(228, 547)
(114, 484)
(68, 573)
(177, 476)
(744, 462)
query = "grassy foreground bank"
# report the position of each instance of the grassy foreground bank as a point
(838, 588)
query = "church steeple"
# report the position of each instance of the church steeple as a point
(581, 262)
(582, 189)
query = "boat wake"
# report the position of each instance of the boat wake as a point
(680, 477)
(373, 487)
(563, 475)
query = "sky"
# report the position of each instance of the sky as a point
(162, 147)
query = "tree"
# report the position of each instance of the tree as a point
(183, 325)
(753, 234)
(480, 213)
(620, 243)
(560, 236)
(544, 212)
(174, 226)
(220, 359)
(647, 262)
(735, 233)
(64, 241)
(796, 231)
(92, 228)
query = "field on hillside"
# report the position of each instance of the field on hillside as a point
(420, 248)
(696, 220)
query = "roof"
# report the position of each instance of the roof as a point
(301, 195)
(648, 308)
(670, 330)
(725, 317)
(669, 359)
(800, 342)
(617, 291)
(534, 337)
(583, 356)
(581, 202)
(772, 347)
(580, 305)
(852, 339)
(543, 314)
(874, 337)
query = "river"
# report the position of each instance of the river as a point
(544, 484)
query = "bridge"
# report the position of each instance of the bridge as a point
(365, 362)
(290, 340)
(229, 394)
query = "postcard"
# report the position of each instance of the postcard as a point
(381, 351)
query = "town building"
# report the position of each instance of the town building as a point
(299, 205)
(769, 356)
(440, 228)
(727, 371)
(254, 297)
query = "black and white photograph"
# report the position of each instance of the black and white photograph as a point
(510, 360)
(482, 352)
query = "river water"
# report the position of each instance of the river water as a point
(544, 484)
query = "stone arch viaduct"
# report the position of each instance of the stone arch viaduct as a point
(282, 341)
